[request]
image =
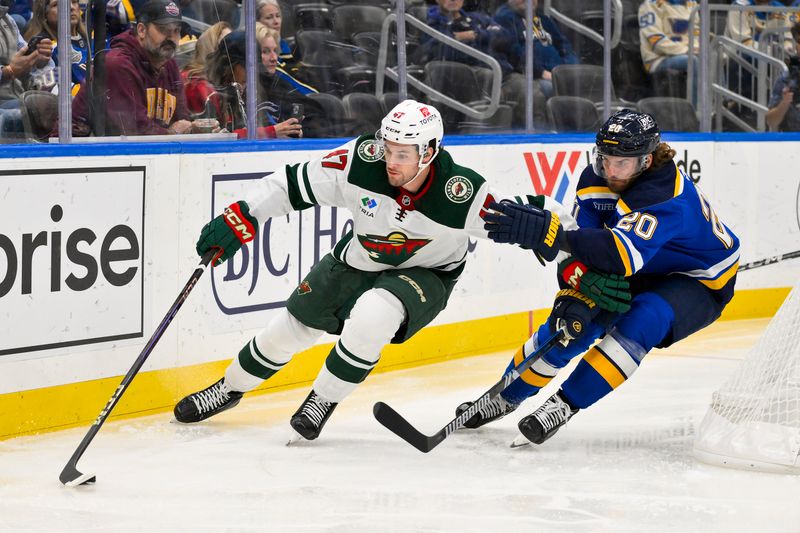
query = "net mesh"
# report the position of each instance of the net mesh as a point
(754, 418)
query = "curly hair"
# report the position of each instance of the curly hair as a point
(663, 153)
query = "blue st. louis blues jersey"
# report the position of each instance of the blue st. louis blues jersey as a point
(662, 224)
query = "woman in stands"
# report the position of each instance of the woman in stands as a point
(279, 97)
(226, 71)
(196, 85)
(268, 13)
(45, 24)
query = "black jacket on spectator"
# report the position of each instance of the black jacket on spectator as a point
(485, 30)
(276, 96)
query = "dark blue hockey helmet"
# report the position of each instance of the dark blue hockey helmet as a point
(628, 133)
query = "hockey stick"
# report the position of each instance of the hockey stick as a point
(70, 476)
(769, 260)
(398, 425)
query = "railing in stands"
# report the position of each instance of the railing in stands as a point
(728, 52)
(383, 71)
(740, 74)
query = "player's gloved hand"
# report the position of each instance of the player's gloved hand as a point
(574, 311)
(228, 232)
(527, 225)
(611, 292)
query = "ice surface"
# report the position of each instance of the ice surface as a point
(623, 465)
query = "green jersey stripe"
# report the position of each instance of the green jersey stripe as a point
(310, 193)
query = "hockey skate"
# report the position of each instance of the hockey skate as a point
(310, 418)
(546, 420)
(206, 403)
(494, 410)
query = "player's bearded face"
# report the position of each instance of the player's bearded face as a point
(620, 171)
(402, 162)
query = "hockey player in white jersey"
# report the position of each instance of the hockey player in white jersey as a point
(414, 210)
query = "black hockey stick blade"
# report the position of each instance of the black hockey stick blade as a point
(398, 425)
(71, 476)
(394, 422)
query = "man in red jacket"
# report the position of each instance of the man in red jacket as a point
(144, 91)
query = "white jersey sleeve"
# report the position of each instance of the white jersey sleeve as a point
(487, 195)
(299, 186)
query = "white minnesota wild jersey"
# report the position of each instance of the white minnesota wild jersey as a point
(392, 228)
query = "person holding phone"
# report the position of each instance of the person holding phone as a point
(280, 99)
(23, 66)
(44, 25)
(226, 72)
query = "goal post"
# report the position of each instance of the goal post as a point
(753, 421)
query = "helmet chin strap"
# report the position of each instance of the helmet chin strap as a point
(416, 175)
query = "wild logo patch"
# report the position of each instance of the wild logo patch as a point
(370, 151)
(458, 189)
(393, 249)
(303, 288)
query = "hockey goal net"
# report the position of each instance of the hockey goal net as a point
(754, 418)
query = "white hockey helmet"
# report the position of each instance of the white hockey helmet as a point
(411, 122)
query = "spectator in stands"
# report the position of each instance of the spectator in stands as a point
(144, 92)
(268, 13)
(784, 114)
(195, 82)
(746, 27)
(226, 70)
(22, 68)
(45, 23)
(550, 47)
(279, 99)
(664, 36)
(474, 29)
(263, 32)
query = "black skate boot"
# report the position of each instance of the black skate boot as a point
(494, 410)
(547, 419)
(310, 418)
(206, 403)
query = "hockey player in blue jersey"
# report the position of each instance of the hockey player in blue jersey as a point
(641, 217)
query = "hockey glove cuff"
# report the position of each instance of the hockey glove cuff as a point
(228, 232)
(574, 311)
(610, 291)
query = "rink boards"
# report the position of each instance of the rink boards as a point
(96, 242)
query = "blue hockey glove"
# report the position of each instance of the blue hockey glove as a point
(611, 292)
(574, 311)
(527, 225)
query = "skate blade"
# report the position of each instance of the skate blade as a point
(520, 442)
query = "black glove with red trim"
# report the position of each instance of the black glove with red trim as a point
(228, 232)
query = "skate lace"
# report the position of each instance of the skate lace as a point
(211, 398)
(553, 413)
(315, 409)
(496, 408)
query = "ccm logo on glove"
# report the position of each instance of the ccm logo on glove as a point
(242, 228)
